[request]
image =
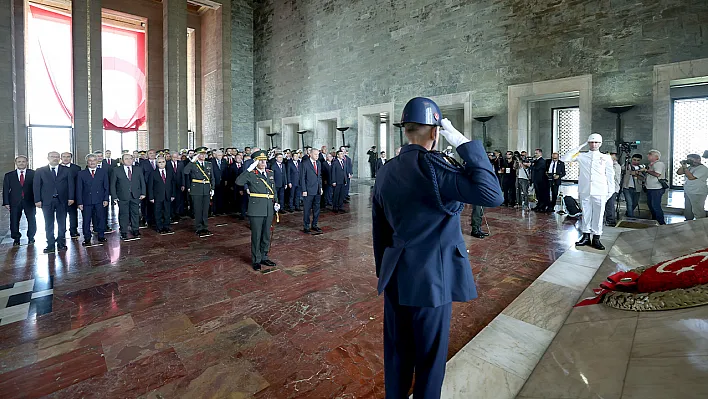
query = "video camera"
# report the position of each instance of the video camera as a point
(628, 146)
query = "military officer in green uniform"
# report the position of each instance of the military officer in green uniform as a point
(262, 206)
(200, 184)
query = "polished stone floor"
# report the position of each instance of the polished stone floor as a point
(178, 317)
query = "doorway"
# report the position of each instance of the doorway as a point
(118, 142)
(690, 118)
(566, 136)
(44, 139)
(291, 140)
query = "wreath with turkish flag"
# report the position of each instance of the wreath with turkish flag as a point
(673, 284)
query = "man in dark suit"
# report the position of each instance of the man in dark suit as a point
(92, 190)
(373, 159)
(294, 183)
(108, 161)
(219, 168)
(326, 179)
(339, 182)
(240, 196)
(349, 165)
(73, 210)
(108, 166)
(555, 170)
(381, 161)
(420, 254)
(160, 190)
(149, 165)
(311, 183)
(540, 182)
(175, 167)
(18, 197)
(280, 176)
(128, 189)
(54, 190)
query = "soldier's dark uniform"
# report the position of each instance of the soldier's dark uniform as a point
(420, 254)
(260, 210)
(199, 179)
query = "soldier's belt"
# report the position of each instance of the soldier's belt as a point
(200, 181)
(269, 196)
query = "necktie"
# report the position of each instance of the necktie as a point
(54, 172)
(341, 163)
(315, 165)
(93, 174)
(153, 164)
(174, 166)
(109, 162)
(163, 176)
(22, 181)
(130, 173)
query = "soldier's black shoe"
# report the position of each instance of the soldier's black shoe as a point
(62, 247)
(136, 233)
(102, 239)
(16, 243)
(583, 241)
(477, 234)
(207, 232)
(123, 236)
(49, 250)
(597, 244)
(306, 231)
(256, 266)
(268, 262)
(316, 229)
(86, 243)
(31, 241)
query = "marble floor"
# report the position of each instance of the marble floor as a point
(178, 317)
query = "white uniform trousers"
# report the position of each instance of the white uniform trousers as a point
(593, 213)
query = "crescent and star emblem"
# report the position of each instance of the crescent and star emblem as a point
(662, 268)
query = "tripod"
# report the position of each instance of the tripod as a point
(627, 163)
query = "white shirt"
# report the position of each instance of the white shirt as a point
(697, 186)
(597, 175)
(553, 167)
(618, 175)
(92, 170)
(383, 161)
(652, 182)
(126, 168)
(25, 172)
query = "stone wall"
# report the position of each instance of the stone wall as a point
(321, 55)
(242, 121)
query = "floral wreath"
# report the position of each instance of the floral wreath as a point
(673, 284)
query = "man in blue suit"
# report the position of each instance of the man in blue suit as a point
(338, 181)
(92, 196)
(421, 258)
(219, 167)
(294, 183)
(18, 197)
(280, 176)
(311, 183)
(54, 192)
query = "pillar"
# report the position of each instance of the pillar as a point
(13, 132)
(88, 90)
(174, 40)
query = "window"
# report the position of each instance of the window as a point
(566, 136)
(690, 133)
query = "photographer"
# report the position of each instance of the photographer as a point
(522, 165)
(499, 165)
(632, 184)
(695, 189)
(509, 180)
(656, 185)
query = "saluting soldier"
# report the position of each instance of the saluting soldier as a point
(261, 207)
(199, 181)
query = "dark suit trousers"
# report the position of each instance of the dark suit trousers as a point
(542, 193)
(16, 214)
(295, 197)
(200, 204)
(162, 214)
(260, 237)
(312, 202)
(177, 207)
(555, 185)
(338, 197)
(219, 201)
(73, 212)
(327, 196)
(148, 211)
(415, 339)
(51, 210)
(129, 215)
(372, 166)
(280, 195)
(97, 213)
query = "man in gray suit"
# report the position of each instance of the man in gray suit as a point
(311, 184)
(128, 189)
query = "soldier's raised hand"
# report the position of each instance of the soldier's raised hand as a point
(452, 135)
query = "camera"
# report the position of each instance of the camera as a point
(628, 146)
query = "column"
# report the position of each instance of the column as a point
(11, 133)
(174, 39)
(88, 90)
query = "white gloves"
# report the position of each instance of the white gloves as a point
(451, 134)
(252, 166)
(570, 155)
(276, 207)
(211, 193)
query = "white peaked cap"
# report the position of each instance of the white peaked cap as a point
(595, 138)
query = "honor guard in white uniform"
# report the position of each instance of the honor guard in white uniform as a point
(595, 186)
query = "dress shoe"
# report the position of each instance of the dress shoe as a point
(477, 234)
(342, 211)
(109, 229)
(597, 244)
(298, 210)
(62, 247)
(16, 243)
(123, 236)
(268, 262)
(306, 231)
(49, 250)
(256, 266)
(74, 236)
(583, 241)
(86, 243)
(207, 232)
(136, 233)
(102, 239)
(31, 241)
(316, 229)
(168, 231)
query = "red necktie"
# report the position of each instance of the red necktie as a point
(163, 176)
(174, 166)
(315, 165)
(109, 162)
(130, 173)
(93, 174)
(22, 181)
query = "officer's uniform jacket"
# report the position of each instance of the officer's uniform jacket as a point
(597, 174)
(199, 181)
(259, 184)
(418, 243)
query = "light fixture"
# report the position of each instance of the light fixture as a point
(484, 120)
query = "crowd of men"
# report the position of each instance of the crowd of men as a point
(157, 188)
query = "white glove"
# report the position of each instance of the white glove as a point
(252, 166)
(276, 207)
(452, 135)
(570, 155)
(211, 193)
(194, 158)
